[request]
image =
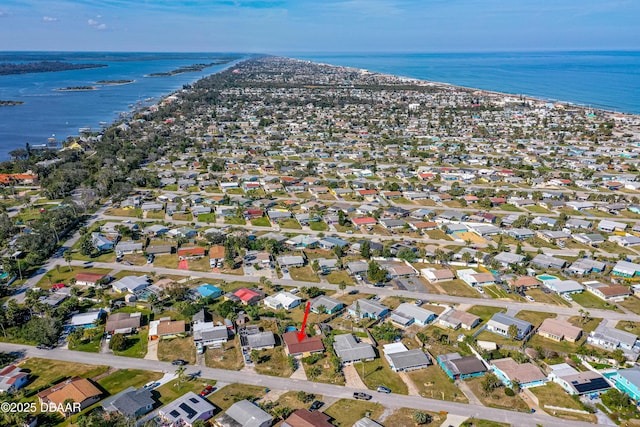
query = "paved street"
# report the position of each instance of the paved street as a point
(276, 383)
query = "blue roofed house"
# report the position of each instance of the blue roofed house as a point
(208, 290)
(368, 309)
(331, 242)
(627, 381)
(102, 242)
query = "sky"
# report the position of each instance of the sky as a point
(289, 26)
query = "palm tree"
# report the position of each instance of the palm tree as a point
(180, 371)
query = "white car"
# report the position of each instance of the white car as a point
(530, 298)
(480, 290)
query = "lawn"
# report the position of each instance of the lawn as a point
(182, 217)
(327, 374)
(346, 412)
(459, 289)
(133, 213)
(377, 372)
(614, 248)
(201, 264)
(234, 220)
(628, 326)
(534, 317)
(497, 399)
(208, 218)
(123, 378)
(498, 339)
(291, 223)
(551, 345)
(304, 274)
(589, 300)
(537, 209)
(155, 214)
(631, 303)
(484, 312)
(338, 276)
(403, 417)
(88, 345)
(226, 357)
(554, 395)
(165, 261)
(434, 383)
(586, 327)
(177, 348)
(44, 372)
(551, 298)
(274, 362)
(261, 222)
(496, 291)
(228, 395)
(437, 234)
(318, 226)
(63, 275)
(170, 391)
(510, 208)
(137, 345)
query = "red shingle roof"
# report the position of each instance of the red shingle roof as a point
(307, 345)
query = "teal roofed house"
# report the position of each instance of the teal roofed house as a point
(208, 290)
(626, 269)
(627, 381)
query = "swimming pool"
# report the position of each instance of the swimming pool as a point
(545, 277)
(290, 329)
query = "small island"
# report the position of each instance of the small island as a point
(186, 69)
(43, 67)
(10, 103)
(114, 82)
(76, 88)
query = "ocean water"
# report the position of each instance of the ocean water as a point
(47, 112)
(607, 80)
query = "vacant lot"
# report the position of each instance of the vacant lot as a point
(137, 345)
(552, 394)
(304, 274)
(589, 300)
(377, 372)
(273, 362)
(632, 303)
(346, 412)
(497, 399)
(459, 289)
(174, 389)
(123, 378)
(44, 372)
(435, 384)
(233, 393)
(534, 317)
(226, 357)
(177, 348)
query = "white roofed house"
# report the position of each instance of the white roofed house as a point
(207, 334)
(562, 287)
(473, 278)
(507, 258)
(501, 322)
(350, 350)
(611, 226)
(407, 314)
(244, 414)
(626, 269)
(128, 247)
(401, 359)
(186, 410)
(612, 339)
(282, 300)
(131, 284)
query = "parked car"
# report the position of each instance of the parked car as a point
(383, 389)
(44, 347)
(419, 302)
(207, 390)
(179, 362)
(530, 298)
(315, 405)
(362, 396)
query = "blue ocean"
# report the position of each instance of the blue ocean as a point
(607, 80)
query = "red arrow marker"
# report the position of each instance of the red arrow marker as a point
(301, 334)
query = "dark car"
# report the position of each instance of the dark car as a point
(44, 347)
(179, 362)
(383, 389)
(315, 405)
(362, 396)
(207, 390)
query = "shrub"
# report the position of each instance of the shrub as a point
(509, 392)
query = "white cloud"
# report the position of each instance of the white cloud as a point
(101, 26)
(49, 19)
(92, 22)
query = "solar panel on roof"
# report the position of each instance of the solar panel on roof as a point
(594, 384)
(174, 413)
(188, 410)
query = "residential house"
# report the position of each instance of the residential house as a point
(79, 390)
(559, 330)
(131, 284)
(455, 319)
(12, 378)
(526, 375)
(208, 334)
(331, 305)
(86, 320)
(128, 247)
(368, 309)
(209, 291)
(475, 279)
(577, 383)
(254, 339)
(191, 252)
(160, 249)
(611, 226)
(408, 314)
(350, 350)
(186, 410)
(308, 345)
(130, 402)
(244, 414)
(282, 300)
(626, 269)
(585, 266)
(401, 359)
(609, 293)
(507, 258)
(500, 322)
(216, 256)
(166, 328)
(627, 381)
(437, 275)
(305, 418)
(289, 261)
(102, 242)
(612, 339)
(123, 323)
(245, 296)
(90, 279)
(547, 261)
(457, 367)
(562, 287)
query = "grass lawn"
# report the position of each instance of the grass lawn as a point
(123, 273)
(291, 223)
(318, 226)
(498, 339)
(628, 326)
(510, 208)
(123, 378)
(483, 423)
(336, 277)
(434, 383)
(614, 248)
(234, 191)
(226, 357)
(137, 345)
(90, 346)
(228, 395)
(343, 228)
(165, 261)
(631, 303)
(210, 217)
(133, 213)
(290, 400)
(459, 289)
(201, 264)
(261, 222)
(327, 374)
(497, 292)
(551, 298)
(552, 394)
(537, 209)
(346, 412)
(586, 327)
(234, 220)
(182, 217)
(497, 399)
(43, 372)
(155, 214)
(170, 391)
(551, 345)
(589, 300)
(135, 259)
(403, 417)
(437, 234)
(534, 317)
(377, 372)
(275, 363)
(484, 312)
(304, 274)
(177, 348)
(63, 275)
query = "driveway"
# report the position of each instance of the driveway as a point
(352, 379)
(411, 387)
(152, 350)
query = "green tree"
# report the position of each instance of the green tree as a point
(118, 342)
(421, 417)
(490, 383)
(512, 331)
(375, 273)
(42, 330)
(365, 249)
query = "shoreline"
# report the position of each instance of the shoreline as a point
(114, 82)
